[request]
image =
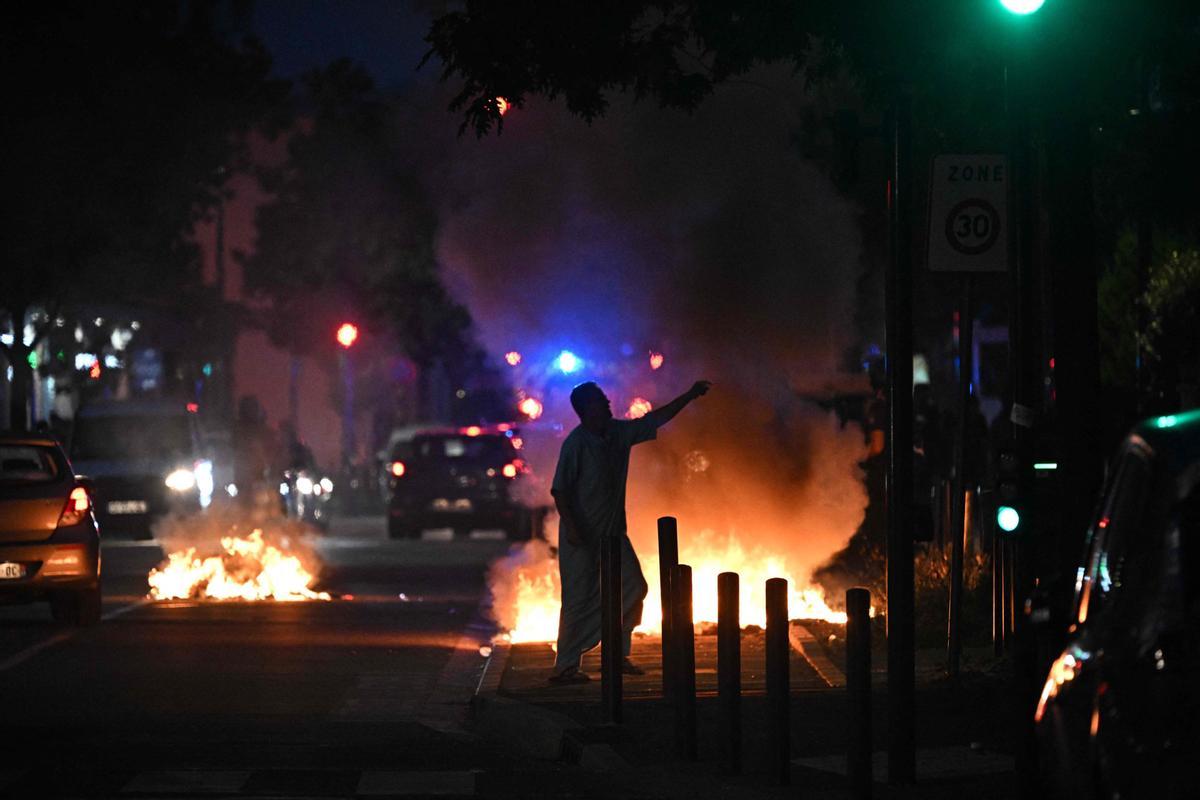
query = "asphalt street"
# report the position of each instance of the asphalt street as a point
(364, 695)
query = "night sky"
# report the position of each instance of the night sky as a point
(385, 36)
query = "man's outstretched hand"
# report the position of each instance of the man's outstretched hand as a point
(699, 389)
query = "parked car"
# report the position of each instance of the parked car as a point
(145, 458)
(49, 540)
(1117, 716)
(464, 479)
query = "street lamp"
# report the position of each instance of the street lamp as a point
(347, 335)
(1022, 7)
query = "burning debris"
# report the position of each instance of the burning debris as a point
(266, 563)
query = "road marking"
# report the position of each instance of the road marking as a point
(416, 783)
(188, 782)
(58, 638)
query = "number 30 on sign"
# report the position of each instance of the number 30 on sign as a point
(968, 202)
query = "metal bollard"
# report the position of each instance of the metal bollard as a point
(954, 617)
(779, 680)
(729, 668)
(668, 559)
(997, 592)
(684, 681)
(612, 649)
(858, 691)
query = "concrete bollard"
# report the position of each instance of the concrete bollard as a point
(668, 559)
(779, 681)
(858, 691)
(729, 668)
(684, 662)
(612, 648)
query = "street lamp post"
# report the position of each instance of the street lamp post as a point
(347, 335)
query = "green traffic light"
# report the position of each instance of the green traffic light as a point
(1022, 7)
(1008, 518)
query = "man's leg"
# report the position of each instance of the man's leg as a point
(579, 618)
(633, 592)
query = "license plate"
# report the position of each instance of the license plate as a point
(10, 570)
(127, 507)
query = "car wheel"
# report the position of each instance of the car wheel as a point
(80, 607)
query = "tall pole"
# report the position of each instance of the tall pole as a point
(966, 350)
(348, 438)
(898, 493)
(612, 649)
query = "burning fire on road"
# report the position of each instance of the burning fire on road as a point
(253, 566)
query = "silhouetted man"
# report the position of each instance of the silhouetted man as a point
(589, 492)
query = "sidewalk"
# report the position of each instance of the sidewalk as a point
(963, 733)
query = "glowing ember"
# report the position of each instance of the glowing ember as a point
(248, 569)
(640, 407)
(512, 357)
(656, 360)
(531, 407)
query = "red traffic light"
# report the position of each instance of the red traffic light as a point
(347, 334)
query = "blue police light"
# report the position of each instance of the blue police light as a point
(567, 362)
(1008, 518)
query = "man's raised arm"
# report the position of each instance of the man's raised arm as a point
(664, 414)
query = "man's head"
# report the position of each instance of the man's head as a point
(591, 404)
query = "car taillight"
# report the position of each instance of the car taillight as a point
(78, 504)
(397, 469)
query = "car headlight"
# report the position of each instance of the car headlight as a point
(181, 480)
(327, 485)
(304, 484)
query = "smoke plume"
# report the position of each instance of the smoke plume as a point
(706, 237)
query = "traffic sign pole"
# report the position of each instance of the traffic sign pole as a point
(902, 757)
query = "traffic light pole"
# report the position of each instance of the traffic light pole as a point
(898, 494)
(1026, 391)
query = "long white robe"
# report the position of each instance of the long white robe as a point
(591, 475)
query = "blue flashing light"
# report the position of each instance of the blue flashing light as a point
(1008, 518)
(567, 362)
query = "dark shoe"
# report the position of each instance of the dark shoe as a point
(630, 668)
(569, 676)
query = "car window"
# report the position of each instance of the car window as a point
(27, 464)
(468, 448)
(131, 437)
(1119, 527)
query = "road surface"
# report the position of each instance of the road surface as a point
(353, 697)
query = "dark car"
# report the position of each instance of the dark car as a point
(49, 541)
(464, 479)
(1118, 714)
(145, 459)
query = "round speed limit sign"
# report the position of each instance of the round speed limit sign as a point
(972, 226)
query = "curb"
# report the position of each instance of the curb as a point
(533, 730)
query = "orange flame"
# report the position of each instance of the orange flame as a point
(248, 569)
(527, 592)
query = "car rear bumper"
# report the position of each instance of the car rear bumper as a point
(70, 559)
